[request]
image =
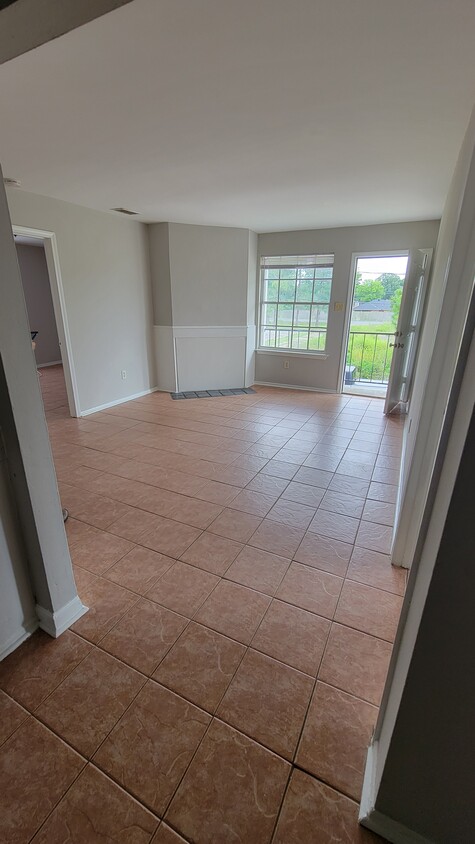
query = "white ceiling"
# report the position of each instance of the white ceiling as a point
(268, 114)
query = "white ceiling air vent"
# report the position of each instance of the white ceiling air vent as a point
(125, 211)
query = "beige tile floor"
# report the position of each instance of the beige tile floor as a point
(225, 682)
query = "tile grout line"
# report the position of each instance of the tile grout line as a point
(272, 597)
(55, 806)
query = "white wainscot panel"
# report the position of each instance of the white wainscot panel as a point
(210, 363)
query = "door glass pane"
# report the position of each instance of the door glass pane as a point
(287, 290)
(319, 316)
(324, 272)
(317, 340)
(267, 337)
(270, 287)
(409, 339)
(299, 339)
(269, 314)
(417, 302)
(304, 290)
(285, 315)
(283, 338)
(301, 316)
(322, 291)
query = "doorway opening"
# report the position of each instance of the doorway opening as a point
(376, 294)
(42, 286)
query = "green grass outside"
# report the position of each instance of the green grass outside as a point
(371, 354)
(384, 327)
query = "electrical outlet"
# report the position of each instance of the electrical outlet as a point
(123, 374)
(286, 364)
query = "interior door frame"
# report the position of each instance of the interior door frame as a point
(455, 426)
(48, 239)
(349, 302)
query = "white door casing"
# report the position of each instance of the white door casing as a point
(407, 333)
(28, 451)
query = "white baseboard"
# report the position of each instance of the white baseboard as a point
(391, 830)
(50, 363)
(55, 623)
(118, 401)
(295, 387)
(376, 821)
(24, 632)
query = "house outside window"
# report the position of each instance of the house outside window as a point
(295, 293)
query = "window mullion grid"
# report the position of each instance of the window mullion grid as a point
(275, 323)
(311, 310)
(261, 328)
(313, 305)
(266, 324)
(292, 326)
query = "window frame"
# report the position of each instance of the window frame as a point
(294, 262)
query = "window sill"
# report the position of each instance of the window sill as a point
(294, 353)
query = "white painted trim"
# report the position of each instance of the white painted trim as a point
(250, 360)
(209, 330)
(346, 323)
(230, 348)
(59, 306)
(120, 401)
(294, 387)
(292, 353)
(392, 831)
(23, 633)
(422, 571)
(165, 358)
(55, 623)
(368, 791)
(451, 288)
(173, 334)
(50, 363)
(376, 821)
(383, 252)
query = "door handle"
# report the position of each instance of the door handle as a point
(397, 345)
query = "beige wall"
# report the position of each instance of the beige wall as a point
(316, 372)
(17, 606)
(160, 273)
(204, 290)
(39, 303)
(209, 275)
(28, 23)
(104, 262)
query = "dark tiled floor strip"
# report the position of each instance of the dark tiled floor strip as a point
(207, 394)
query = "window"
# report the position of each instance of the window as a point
(294, 302)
